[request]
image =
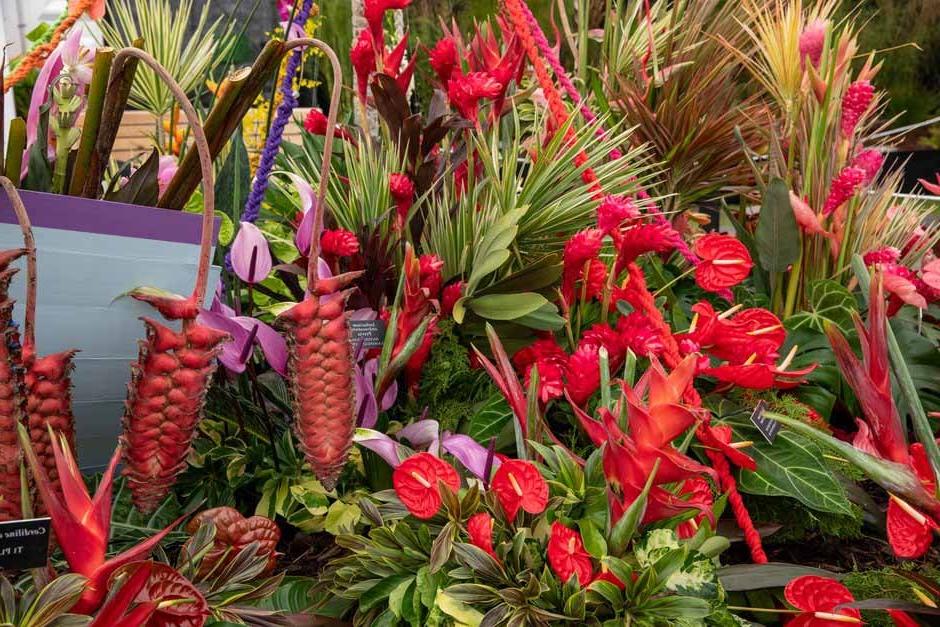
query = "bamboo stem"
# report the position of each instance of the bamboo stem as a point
(93, 110)
(29, 243)
(112, 112)
(225, 117)
(15, 147)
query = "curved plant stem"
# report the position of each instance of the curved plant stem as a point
(205, 163)
(29, 325)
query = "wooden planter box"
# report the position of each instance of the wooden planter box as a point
(89, 252)
(135, 135)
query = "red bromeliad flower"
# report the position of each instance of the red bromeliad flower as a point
(465, 91)
(629, 459)
(519, 484)
(416, 483)
(843, 187)
(567, 555)
(338, 243)
(818, 598)
(392, 65)
(403, 192)
(83, 525)
(812, 40)
(316, 122)
(443, 59)
(725, 262)
(480, 530)
(855, 103)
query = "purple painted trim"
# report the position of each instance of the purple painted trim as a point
(86, 215)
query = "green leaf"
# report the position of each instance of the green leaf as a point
(463, 614)
(233, 181)
(740, 577)
(493, 250)
(396, 597)
(489, 419)
(791, 466)
(828, 301)
(506, 306)
(778, 236)
(141, 187)
(545, 318)
(381, 591)
(593, 539)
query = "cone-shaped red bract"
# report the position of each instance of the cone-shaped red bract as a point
(10, 397)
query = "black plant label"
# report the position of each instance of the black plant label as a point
(365, 334)
(768, 427)
(24, 543)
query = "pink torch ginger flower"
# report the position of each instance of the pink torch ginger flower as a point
(812, 40)
(870, 161)
(855, 103)
(844, 186)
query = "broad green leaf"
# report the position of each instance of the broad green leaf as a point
(463, 614)
(778, 236)
(545, 318)
(381, 591)
(506, 306)
(793, 466)
(593, 539)
(489, 419)
(342, 518)
(828, 301)
(396, 597)
(493, 250)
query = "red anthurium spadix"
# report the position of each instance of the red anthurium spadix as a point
(174, 367)
(320, 361)
(10, 396)
(83, 523)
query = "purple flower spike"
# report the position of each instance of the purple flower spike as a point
(251, 258)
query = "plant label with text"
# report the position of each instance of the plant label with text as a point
(366, 334)
(24, 543)
(768, 427)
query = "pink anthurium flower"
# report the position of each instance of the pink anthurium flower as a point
(246, 332)
(251, 257)
(166, 170)
(307, 202)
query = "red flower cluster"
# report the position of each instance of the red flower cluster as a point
(370, 44)
(465, 91)
(316, 122)
(551, 362)
(581, 249)
(641, 239)
(416, 483)
(613, 211)
(843, 187)
(421, 291)
(443, 59)
(725, 262)
(403, 192)
(904, 285)
(450, 295)
(338, 243)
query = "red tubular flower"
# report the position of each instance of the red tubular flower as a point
(613, 211)
(48, 388)
(480, 530)
(403, 193)
(465, 91)
(843, 187)
(338, 243)
(567, 555)
(725, 262)
(449, 297)
(817, 598)
(234, 532)
(320, 366)
(11, 398)
(165, 398)
(362, 57)
(416, 483)
(316, 121)
(83, 525)
(519, 484)
(443, 59)
(855, 103)
(641, 239)
(581, 248)
(584, 374)
(638, 334)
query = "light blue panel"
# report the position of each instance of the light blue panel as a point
(80, 275)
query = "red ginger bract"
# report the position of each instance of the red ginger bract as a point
(320, 365)
(855, 103)
(10, 397)
(168, 385)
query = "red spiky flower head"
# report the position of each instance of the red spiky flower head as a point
(443, 58)
(812, 40)
(855, 103)
(519, 484)
(416, 483)
(567, 555)
(818, 598)
(402, 189)
(465, 91)
(338, 243)
(725, 262)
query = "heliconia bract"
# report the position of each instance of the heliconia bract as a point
(10, 398)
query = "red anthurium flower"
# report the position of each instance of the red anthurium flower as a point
(480, 530)
(416, 483)
(567, 555)
(519, 483)
(759, 376)
(735, 337)
(605, 575)
(725, 262)
(910, 532)
(818, 598)
(179, 603)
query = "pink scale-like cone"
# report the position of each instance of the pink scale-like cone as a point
(165, 398)
(10, 397)
(48, 390)
(321, 376)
